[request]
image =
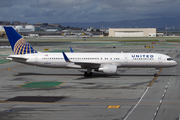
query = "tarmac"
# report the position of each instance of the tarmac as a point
(132, 94)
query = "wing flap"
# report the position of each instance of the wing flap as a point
(88, 64)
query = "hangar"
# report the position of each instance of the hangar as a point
(132, 32)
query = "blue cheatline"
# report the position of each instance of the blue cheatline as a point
(18, 44)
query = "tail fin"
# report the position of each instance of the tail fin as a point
(18, 44)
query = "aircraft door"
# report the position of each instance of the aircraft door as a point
(160, 59)
(36, 58)
(126, 59)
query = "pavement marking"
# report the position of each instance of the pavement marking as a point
(9, 69)
(4, 61)
(143, 94)
(113, 106)
(137, 103)
(155, 78)
(88, 103)
(3, 69)
(60, 84)
(160, 103)
(42, 84)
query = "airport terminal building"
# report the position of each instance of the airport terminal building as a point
(132, 32)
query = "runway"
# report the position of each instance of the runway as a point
(132, 94)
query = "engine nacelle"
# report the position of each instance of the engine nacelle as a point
(108, 69)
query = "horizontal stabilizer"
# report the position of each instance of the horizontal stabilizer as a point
(17, 58)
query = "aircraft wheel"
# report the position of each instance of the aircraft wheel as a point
(85, 74)
(155, 75)
(88, 75)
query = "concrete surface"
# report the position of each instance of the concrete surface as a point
(89, 98)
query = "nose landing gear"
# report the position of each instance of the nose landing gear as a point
(157, 71)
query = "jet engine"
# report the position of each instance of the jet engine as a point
(108, 69)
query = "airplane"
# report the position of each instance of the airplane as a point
(77, 34)
(107, 63)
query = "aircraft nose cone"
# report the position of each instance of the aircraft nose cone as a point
(175, 63)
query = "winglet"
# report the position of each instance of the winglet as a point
(71, 50)
(65, 57)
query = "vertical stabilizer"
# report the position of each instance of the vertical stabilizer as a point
(18, 44)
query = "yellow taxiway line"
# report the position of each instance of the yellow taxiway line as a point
(150, 84)
(9, 69)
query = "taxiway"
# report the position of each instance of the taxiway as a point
(130, 95)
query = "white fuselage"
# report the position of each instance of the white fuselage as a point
(56, 60)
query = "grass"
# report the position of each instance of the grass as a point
(4, 61)
(43, 84)
(59, 51)
(173, 40)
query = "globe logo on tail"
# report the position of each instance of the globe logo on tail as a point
(23, 47)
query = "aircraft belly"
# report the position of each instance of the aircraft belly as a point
(48, 64)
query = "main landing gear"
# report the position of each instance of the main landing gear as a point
(88, 73)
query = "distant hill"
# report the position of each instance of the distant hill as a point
(139, 23)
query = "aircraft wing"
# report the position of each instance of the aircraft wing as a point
(83, 64)
(88, 64)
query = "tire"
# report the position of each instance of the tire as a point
(155, 75)
(85, 74)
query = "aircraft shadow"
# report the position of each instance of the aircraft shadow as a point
(95, 75)
(37, 74)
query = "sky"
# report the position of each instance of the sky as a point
(60, 11)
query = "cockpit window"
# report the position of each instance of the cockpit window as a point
(169, 59)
